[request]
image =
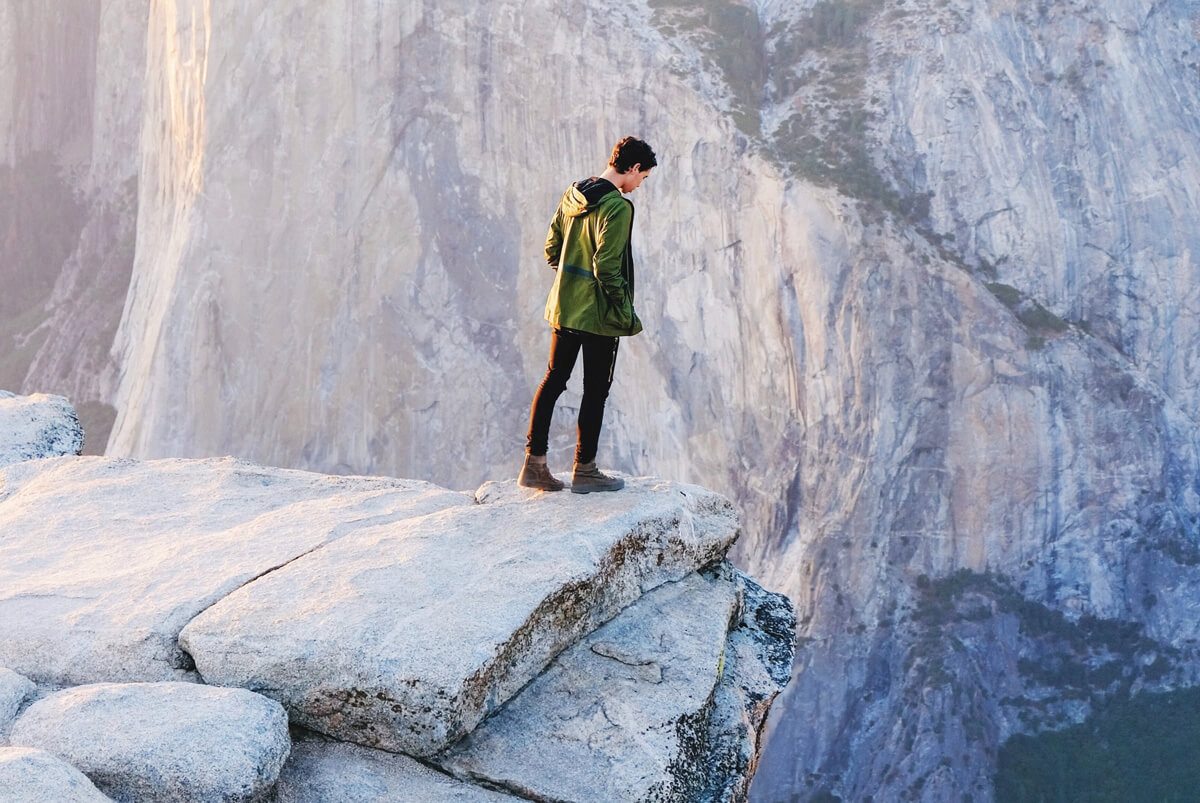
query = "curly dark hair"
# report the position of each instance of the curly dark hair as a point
(631, 151)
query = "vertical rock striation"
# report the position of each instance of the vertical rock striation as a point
(70, 111)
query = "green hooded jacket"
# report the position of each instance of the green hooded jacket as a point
(588, 246)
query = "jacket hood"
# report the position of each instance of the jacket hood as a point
(584, 196)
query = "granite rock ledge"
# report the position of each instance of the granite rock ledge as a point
(373, 617)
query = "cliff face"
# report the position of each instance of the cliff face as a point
(1059, 144)
(917, 279)
(70, 111)
(1026, 373)
(376, 225)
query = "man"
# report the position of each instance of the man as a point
(590, 306)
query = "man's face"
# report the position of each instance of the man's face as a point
(634, 179)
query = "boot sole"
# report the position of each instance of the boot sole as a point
(540, 487)
(594, 489)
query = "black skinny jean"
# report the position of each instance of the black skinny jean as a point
(599, 360)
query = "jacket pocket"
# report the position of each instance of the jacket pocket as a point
(616, 316)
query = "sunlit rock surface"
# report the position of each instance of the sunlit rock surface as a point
(387, 612)
(37, 426)
(183, 742)
(103, 561)
(36, 776)
(405, 636)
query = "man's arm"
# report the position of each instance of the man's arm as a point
(612, 239)
(554, 239)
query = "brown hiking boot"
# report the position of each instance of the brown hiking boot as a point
(587, 478)
(536, 474)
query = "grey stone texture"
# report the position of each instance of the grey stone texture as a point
(405, 636)
(391, 613)
(615, 716)
(29, 775)
(104, 560)
(167, 741)
(336, 772)
(14, 691)
(37, 426)
(663, 703)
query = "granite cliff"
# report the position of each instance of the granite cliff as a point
(918, 281)
(168, 628)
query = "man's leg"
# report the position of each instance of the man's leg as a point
(564, 349)
(599, 363)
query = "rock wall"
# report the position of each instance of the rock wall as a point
(71, 78)
(393, 216)
(1020, 477)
